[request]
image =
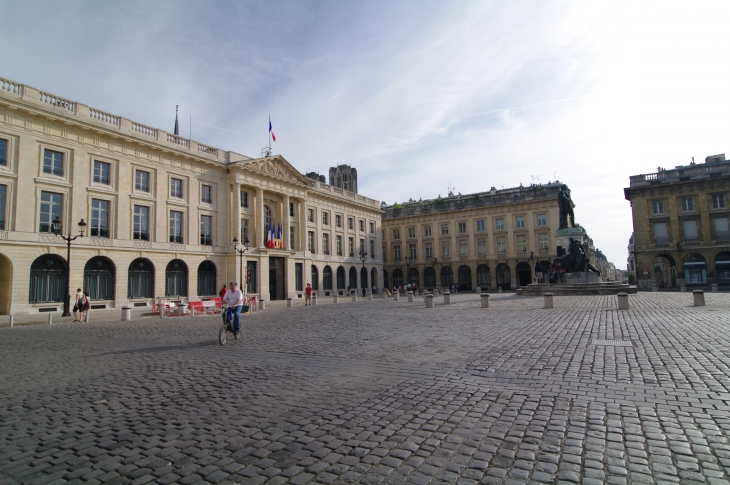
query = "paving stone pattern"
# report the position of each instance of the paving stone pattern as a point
(377, 392)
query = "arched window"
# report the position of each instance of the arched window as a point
(267, 216)
(413, 277)
(140, 283)
(524, 273)
(47, 279)
(176, 278)
(315, 278)
(503, 276)
(327, 278)
(206, 279)
(353, 278)
(483, 276)
(99, 278)
(374, 279)
(429, 277)
(385, 279)
(447, 276)
(464, 278)
(340, 278)
(397, 277)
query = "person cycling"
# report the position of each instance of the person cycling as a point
(234, 300)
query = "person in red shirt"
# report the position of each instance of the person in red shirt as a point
(222, 293)
(308, 295)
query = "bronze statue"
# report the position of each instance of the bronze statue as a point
(567, 218)
(576, 261)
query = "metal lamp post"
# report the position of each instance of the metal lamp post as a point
(241, 251)
(56, 224)
(363, 258)
(408, 271)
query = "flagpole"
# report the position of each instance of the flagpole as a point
(269, 132)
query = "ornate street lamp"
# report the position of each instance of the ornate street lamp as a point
(56, 224)
(408, 271)
(241, 251)
(363, 258)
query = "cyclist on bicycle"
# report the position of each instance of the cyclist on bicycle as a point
(234, 300)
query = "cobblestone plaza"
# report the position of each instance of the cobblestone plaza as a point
(377, 392)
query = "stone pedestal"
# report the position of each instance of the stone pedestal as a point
(699, 297)
(262, 304)
(429, 301)
(314, 299)
(370, 296)
(623, 301)
(548, 300)
(181, 309)
(396, 296)
(581, 278)
(410, 297)
(354, 296)
(485, 300)
(336, 299)
(447, 297)
(289, 302)
(126, 314)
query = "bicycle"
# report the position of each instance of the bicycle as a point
(226, 327)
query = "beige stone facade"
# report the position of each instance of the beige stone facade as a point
(681, 218)
(161, 210)
(481, 240)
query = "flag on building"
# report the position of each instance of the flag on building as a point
(271, 130)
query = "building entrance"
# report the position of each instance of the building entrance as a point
(276, 278)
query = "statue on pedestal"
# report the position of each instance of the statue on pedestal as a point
(567, 218)
(576, 261)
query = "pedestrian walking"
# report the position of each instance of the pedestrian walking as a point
(308, 295)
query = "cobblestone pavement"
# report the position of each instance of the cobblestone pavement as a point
(377, 392)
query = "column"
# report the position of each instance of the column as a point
(236, 212)
(303, 225)
(259, 241)
(287, 223)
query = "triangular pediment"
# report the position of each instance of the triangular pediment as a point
(275, 166)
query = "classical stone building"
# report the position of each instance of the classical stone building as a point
(680, 217)
(487, 239)
(344, 177)
(161, 213)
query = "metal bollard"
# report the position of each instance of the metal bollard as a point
(354, 296)
(396, 296)
(715, 289)
(126, 313)
(11, 320)
(289, 302)
(410, 297)
(699, 297)
(337, 298)
(50, 319)
(683, 288)
(499, 289)
(548, 300)
(314, 299)
(447, 297)
(623, 301)
(429, 301)
(485, 300)
(262, 304)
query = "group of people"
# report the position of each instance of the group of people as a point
(81, 306)
(409, 287)
(554, 272)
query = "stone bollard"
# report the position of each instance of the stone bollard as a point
(623, 301)
(654, 288)
(683, 288)
(447, 297)
(126, 314)
(354, 296)
(11, 320)
(192, 311)
(370, 296)
(548, 300)
(262, 304)
(485, 300)
(479, 290)
(181, 309)
(396, 296)
(715, 288)
(385, 295)
(289, 302)
(50, 319)
(336, 298)
(86, 316)
(429, 301)
(314, 299)
(499, 289)
(699, 297)
(410, 297)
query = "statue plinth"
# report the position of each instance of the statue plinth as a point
(562, 236)
(581, 278)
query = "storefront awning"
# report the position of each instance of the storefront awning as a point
(695, 265)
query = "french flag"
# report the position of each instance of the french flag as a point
(271, 130)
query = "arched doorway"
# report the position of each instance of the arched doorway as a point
(99, 278)
(397, 277)
(141, 279)
(47, 279)
(524, 273)
(327, 278)
(206, 279)
(695, 269)
(722, 268)
(353, 278)
(364, 280)
(374, 279)
(385, 279)
(414, 277)
(6, 284)
(176, 278)
(340, 278)
(447, 277)
(315, 278)
(503, 277)
(665, 272)
(429, 277)
(464, 278)
(484, 279)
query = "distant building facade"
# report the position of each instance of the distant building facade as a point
(344, 177)
(680, 216)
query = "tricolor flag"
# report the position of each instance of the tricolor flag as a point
(271, 130)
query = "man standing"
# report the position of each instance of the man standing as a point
(234, 300)
(308, 295)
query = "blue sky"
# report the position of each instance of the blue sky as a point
(415, 95)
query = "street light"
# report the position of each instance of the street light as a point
(56, 224)
(363, 258)
(408, 271)
(241, 251)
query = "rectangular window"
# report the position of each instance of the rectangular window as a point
(244, 199)
(99, 218)
(660, 233)
(141, 181)
(50, 210)
(176, 227)
(521, 244)
(325, 219)
(722, 232)
(462, 228)
(445, 250)
(325, 243)
(292, 240)
(412, 251)
(501, 245)
(541, 220)
(362, 225)
(500, 224)
(140, 229)
(362, 247)
(339, 245)
(427, 231)
(3, 192)
(396, 253)
(657, 207)
(480, 226)
(429, 251)
(463, 249)
(206, 194)
(176, 188)
(244, 230)
(411, 232)
(101, 172)
(372, 248)
(372, 228)
(310, 215)
(520, 222)
(718, 201)
(482, 247)
(384, 254)
(53, 162)
(396, 233)
(299, 276)
(351, 247)
(351, 223)
(688, 204)
(542, 242)
(310, 241)
(690, 231)
(3, 152)
(444, 229)
(206, 230)
(338, 220)
(291, 209)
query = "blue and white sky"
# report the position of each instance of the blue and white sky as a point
(416, 95)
